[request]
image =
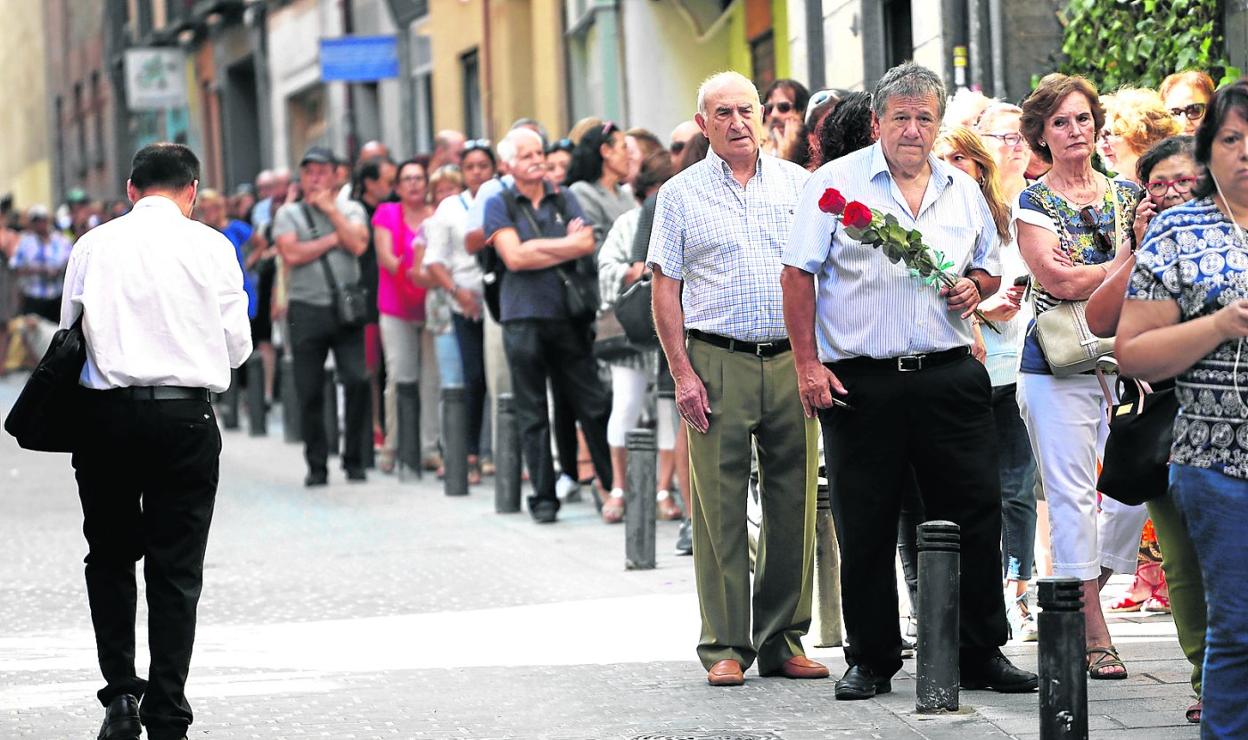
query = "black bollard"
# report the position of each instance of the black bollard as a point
(407, 454)
(507, 457)
(639, 503)
(939, 592)
(455, 440)
(291, 417)
(1063, 675)
(257, 407)
(227, 403)
(332, 438)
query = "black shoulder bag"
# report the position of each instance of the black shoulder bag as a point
(46, 416)
(1135, 466)
(350, 302)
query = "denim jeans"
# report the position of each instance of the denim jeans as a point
(1017, 468)
(1216, 508)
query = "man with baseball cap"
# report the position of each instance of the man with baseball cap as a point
(39, 262)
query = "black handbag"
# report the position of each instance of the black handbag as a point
(633, 310)
(580, 291)
(47, 414)
(1135, 467)
(350, 302)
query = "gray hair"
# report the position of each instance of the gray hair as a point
(507, 147)
(716, 81)
(908, 80)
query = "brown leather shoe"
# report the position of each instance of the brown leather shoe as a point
(799, 666)
(725, 673)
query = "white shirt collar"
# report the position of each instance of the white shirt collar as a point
(157, 201)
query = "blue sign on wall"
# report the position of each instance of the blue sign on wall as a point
(359, 59)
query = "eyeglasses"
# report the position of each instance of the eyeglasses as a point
(782, 107)
(1182, 186)
(1007, 139)
(677, 147)
(412, 178)
(1091, 219)
(1193, 112)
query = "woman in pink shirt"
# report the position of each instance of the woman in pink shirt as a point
(400, 240)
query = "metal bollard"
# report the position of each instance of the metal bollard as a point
(455, 439)
(257, 407)
(826, 624)
(227, 403)
(1063, 677)
(407, 456)
(939, 593)
(333, 440)
(292, 429)
(639, 503)
(507, 457)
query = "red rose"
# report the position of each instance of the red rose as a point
(832, 201)
(856, 216)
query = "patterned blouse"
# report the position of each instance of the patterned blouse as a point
(1191, 255)
(1039, 205)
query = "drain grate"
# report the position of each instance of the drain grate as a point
(712, 735)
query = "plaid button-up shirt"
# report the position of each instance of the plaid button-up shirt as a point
(725, 242)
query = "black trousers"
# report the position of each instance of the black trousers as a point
(314, 332)
(147, 478)
(538, 350)
(938, 422)
(470, 335)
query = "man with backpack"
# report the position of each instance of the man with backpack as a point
(540, 234)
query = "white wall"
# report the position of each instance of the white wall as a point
(927, 28)
(842, 36)
(665, 61)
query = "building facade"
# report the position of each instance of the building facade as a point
(26, 157)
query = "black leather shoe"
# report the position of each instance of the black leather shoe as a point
(543, 510)
(312, 480)
(121, 719)
(859, 682)
(356, 475)
(999, 674)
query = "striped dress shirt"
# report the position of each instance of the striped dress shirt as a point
(725, 241)
(867, 306)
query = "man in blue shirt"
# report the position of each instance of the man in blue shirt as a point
(39, 262)
(540, 234)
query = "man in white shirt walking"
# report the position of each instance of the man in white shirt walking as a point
(165, 319)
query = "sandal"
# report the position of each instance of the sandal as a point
(474, 470)
(1193, 712)
(668, 510)
(1157, 604)
(1125, 604)
(1103, 667)
(613, 508)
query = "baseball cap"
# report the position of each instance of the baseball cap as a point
(318, 155)
(37, 211)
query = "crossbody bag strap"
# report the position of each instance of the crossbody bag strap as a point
(527, 212)
(324, 258)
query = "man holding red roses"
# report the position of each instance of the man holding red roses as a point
(893, 340)
(719, 229)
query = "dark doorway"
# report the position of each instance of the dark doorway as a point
(240, 124)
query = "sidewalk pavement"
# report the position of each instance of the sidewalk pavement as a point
(388, 610)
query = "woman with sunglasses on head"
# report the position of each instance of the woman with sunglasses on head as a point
(1186, 96)
(558, 160)
(1186, 317)
(1134, 121)
(451, 268)
(1169, 172)
(1073, 229)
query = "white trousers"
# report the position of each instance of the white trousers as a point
(1066, 421)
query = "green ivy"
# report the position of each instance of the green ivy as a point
(1139, 42)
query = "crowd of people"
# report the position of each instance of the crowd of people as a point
(498, 266)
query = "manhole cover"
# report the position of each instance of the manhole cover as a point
(713, 735)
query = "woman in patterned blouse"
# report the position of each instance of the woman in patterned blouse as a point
(1188, 318)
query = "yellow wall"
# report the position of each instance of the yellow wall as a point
(454, 28)
(26, 147)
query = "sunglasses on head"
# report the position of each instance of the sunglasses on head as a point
(782, 107)
(563, 145)
(1193, 112)
(1091, 219)
(474, 144)
(609, 128)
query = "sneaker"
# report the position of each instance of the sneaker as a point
(912, 628)
(567, 489)
(684, 539)
(1022, 622)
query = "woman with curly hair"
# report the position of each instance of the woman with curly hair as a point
(847, 129)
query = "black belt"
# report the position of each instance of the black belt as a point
(758, 349)
(906, 363)
(159, 393)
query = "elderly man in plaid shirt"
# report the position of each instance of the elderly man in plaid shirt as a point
(719, 229)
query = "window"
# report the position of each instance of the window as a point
(763, 60)
(473, 117)
(80, 124)
(898, 36)
(97, 119)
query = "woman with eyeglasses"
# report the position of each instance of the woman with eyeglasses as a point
(1186, 317)
(1167, 577)
(1186, 96)
(400, 242)
(1073, 230)
(457, 273)
(1134, 120)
